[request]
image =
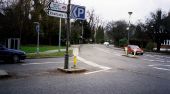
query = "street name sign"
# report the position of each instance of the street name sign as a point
(58, 7)
(57, 14)
(77, 12)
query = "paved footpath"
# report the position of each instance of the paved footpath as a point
(5, 73)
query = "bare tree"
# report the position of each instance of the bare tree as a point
(156, 29)
(94, 22)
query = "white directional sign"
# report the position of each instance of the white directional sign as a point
(58, 7)
(57, 14)
(77, 12)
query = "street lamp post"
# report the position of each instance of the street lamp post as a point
(130, 13)
(66, 63)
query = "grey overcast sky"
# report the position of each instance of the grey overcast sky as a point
(114, 10)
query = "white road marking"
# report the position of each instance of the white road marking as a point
(158, 60)
(95, 72)
(149, 60)
(158, 66)
(92, 63)
(158, 56)
(154, 65)
(161, 68)
(103, 68)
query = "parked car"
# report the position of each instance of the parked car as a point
(131, 49)
(11, 55)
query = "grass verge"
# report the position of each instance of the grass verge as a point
(42, 48)
(47, 55)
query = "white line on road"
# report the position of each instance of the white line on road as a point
(161, 68)
(92, 63)
(103, 68)
(158, 60)
(158, 66)
(95, 71)
(154, 65)
(159, 56)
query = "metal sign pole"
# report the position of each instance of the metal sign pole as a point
(59, 35)
(66, 65)
(82, 31)
(38, 39)
(38, 34)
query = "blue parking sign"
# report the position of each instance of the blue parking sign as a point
(78, 12)
(37, 28)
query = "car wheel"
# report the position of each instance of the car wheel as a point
(15, 59)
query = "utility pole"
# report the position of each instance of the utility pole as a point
(66, 64)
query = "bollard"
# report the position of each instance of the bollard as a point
(134, 52)
(75, 62)
(126, 50)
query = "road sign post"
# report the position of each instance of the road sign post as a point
(66, 64)
(59, 42)
(64, 11)
(37, 27)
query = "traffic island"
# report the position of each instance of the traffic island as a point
(72, 70)
(131, 56)
(3, 74)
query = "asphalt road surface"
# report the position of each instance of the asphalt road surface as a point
(109, 72)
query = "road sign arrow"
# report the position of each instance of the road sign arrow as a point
(74, 12)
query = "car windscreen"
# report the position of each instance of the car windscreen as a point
(134, 47)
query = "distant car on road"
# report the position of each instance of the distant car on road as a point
(11, 55)
(131, 49)
(106, 43)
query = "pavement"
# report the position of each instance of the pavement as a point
(5, 73)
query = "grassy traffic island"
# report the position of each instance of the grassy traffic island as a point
(45, 51)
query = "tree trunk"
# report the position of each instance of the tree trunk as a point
(158, 46)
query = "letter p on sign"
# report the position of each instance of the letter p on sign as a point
(80, 12)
